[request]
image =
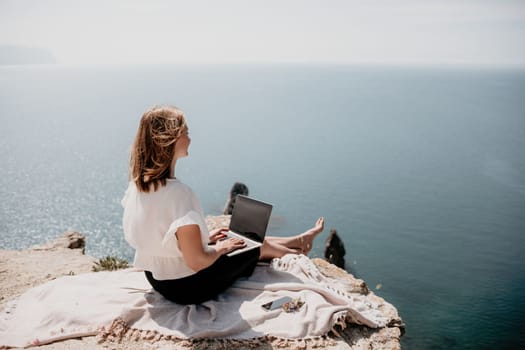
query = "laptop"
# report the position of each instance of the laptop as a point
(249, 222)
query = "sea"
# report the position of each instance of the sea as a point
(419, 169)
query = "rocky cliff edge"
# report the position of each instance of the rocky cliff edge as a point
(21, 270)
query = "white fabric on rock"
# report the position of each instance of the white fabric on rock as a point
(80, 305)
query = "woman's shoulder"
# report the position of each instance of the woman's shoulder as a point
(181, 195)
(173, 188)
(178, 187)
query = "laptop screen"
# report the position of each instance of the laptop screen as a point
(250, 217)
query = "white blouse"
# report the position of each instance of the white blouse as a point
(150, 221)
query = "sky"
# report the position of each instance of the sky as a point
(244, 31)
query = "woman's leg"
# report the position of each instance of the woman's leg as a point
(275, 247)
(303, 241)
(270, 250)
(208, 283)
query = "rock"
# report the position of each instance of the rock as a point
(69, 240)
(215, 222)
(362, 337)
(237, 188)
(23, 269)
(354, 285)
(335, 250)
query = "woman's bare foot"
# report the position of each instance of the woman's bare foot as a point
(306, 239)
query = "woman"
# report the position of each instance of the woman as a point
(164, 222)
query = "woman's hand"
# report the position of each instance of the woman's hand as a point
(217, 235)
(222, 245)
(229, 245)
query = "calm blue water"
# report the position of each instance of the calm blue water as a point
(421, 171)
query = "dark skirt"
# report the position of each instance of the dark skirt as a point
(209, 282)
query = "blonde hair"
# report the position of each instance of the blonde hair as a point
(154, 146)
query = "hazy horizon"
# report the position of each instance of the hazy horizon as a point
(407, 32)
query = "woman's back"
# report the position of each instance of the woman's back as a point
(151, 219)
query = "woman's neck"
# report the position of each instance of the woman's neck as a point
(172, 169)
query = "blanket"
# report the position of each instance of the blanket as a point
(86, 304)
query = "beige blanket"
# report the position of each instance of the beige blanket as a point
(82, 305)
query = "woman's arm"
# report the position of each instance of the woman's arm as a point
(190, 244)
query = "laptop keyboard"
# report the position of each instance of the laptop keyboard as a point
(249, 243)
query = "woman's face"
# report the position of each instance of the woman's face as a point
(182, 144)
